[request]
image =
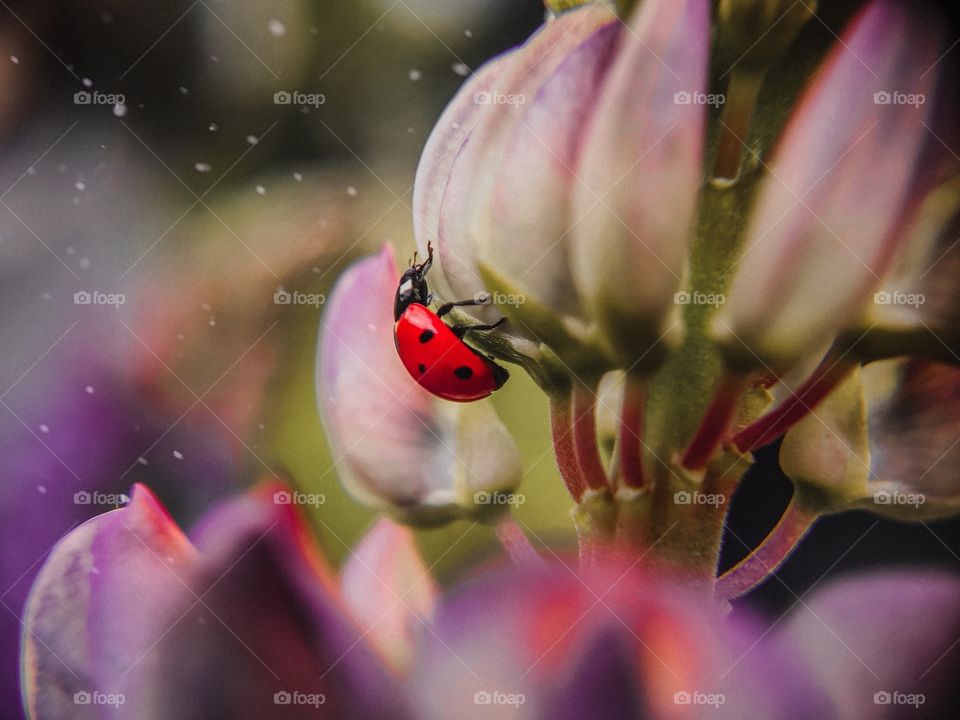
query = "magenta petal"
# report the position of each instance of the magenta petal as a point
(258, 627)
(882, 633)
(85, 622)
(827, 222)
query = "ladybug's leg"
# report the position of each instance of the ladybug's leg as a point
(447, 307)
(461, 330)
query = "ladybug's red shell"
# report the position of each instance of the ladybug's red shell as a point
(440, 361)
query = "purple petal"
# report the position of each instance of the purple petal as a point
(640, 168)
(396, 446)
(552, 642)
(826, 225)
(881, 633)
(259, 624)
(84, 622)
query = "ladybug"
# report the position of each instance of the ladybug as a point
(433, 352)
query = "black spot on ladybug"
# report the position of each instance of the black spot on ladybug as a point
(426, 336)
(463, 372)
(422, 368)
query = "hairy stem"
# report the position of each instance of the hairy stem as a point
(767, 557)
(514, 542)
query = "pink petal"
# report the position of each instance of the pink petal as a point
(640, 168)
(469, 211)
(533, 155)
(397, 447)
(389, 590)
(444, 144)
(824, 231)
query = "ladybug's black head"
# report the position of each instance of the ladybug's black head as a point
(412, 288)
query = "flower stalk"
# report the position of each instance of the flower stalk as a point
(773, 551)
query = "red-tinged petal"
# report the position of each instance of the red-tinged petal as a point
(396, 447)
(85, 620)
(468, 205)
(389, 590)
(826, 225)
(914, 422)
(258, 632)
(885, 440)
(879, 634)
(641, 165)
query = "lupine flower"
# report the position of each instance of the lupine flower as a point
(729, 259)
(131, 618)
(692, 259)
